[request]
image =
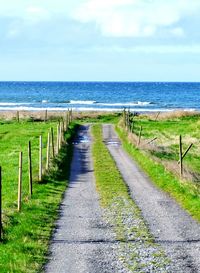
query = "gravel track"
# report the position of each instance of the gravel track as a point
(170, 225)
(83, 242)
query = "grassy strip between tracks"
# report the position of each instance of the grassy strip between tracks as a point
(26, 237)
(123, 214)
(186, 195)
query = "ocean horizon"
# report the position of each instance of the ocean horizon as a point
(99, 96)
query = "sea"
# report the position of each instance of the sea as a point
(100, 96)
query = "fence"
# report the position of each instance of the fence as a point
(129, 124)
(52, 150)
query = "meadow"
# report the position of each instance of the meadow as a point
(156, 149)
(26, 234)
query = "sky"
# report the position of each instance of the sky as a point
(100, 40)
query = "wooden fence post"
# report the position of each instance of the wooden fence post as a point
(17, 116)
(124, 116)
(126, 120)
(180, 155)
(67, 123)
(58, 138)
(30, 169)
(40, 159)
(152, 140)
(71, 117)
(48, 151)
(132, 127)
(157, 116)
(45, 115)
(140, 135)
(1, 225)
(63, 127)
(20, 182)
(52, 143)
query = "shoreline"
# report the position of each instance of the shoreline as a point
(42, 114)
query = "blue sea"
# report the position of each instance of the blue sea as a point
(106, 96)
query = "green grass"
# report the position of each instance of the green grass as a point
(167, 132)
(186, 194)
(100, 118)
(108, 179)
(115, 198)
(26, 234)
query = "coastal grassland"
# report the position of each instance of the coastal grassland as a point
(26, 234)
(167, 132)
(155, 159)
(122, 213)
(98, 117)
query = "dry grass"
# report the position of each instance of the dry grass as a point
(40, 115)
(170, 115)
(170, 165)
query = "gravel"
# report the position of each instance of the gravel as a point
(83, 241)
(172, 228)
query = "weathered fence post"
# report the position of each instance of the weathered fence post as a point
(63, 131)
(45, 115)
(17, 116)
(132, 127)
(48, 151)
(71, 118)
(127, 117)
(124, 117)
(157, 116)
(40, 159)
(1, 225)
(180, 155)
(58, 138)
(67, 123)
(63, 126)
(140, 135)
(60, 135)
(52, 143)
(20, 182)
(30, 169)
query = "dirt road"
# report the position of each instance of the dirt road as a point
(83, 242)
(171, 226)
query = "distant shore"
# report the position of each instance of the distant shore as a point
(41, 115)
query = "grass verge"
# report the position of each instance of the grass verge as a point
(137, 250)
(182, 192)
(26, 234)
(100, 118)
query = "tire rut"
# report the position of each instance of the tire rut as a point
(82, 242)
(171, 226)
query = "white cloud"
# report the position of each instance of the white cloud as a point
(136, 18)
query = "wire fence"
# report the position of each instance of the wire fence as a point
(34, 161)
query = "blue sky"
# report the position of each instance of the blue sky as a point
(100, 40)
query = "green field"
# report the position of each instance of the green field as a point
(159, 159)
(26, 234)
(167, 132)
